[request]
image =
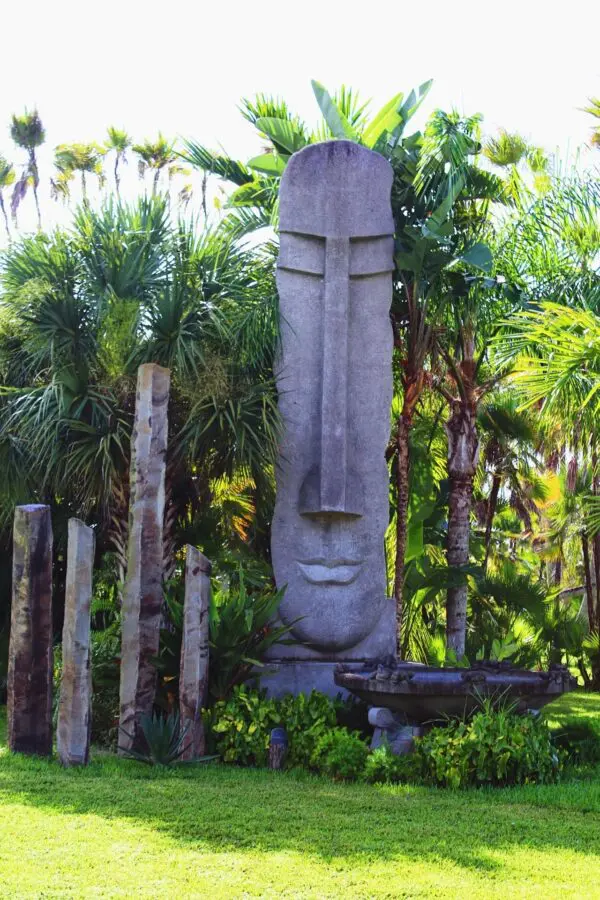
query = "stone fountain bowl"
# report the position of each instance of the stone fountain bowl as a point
(426, 693)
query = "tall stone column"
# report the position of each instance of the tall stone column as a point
(75, 706)
(143, 591)
(193, 674)
(30, 649)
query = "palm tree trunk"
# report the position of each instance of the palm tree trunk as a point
(84, 187)
(585, 546)
(117, 179)
(155, 182)
(463, 453)
(403, 463)
(36, 180)
(491, 512)
(3, 208)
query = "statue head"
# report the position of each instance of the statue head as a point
(335, 388)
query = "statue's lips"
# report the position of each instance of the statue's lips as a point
(330, 571)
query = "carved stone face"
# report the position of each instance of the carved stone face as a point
(335, 390)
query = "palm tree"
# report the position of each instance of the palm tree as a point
(83, 158)
(87, 307)
(118, 142)
(509, 440)
(7, 177)
(155, 155)
(28, 132)
(513, 155)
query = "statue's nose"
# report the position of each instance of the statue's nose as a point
(331, 487)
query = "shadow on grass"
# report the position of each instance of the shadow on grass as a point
(224, 808)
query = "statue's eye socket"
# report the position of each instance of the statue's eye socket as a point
(302, 253)
(308, 253)
(371, 256)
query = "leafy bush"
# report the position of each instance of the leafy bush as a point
(341, 754)
(241, 632)
(306, 718)
(240, 727)
(495, 747)
(384, 767)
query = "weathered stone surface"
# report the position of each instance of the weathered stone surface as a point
(29, 685)
(193, 674)
(143, 592)
(335, 389)
(75, 705)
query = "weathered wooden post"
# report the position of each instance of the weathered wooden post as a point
(29, 685)
(143, 591)
(193, 674)
(75, 705)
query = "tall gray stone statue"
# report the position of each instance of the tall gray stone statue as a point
(335, 389)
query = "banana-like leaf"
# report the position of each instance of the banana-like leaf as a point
(337, 122)
(414, 100)
(387, 119)
(269, 163)
(479, 256)
(282, 133)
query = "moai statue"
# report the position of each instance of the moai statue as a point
(75, 705)
(334, 379)
(143, 591)
(193, 673)
(29, 686)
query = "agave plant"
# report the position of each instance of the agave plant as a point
(165, 741)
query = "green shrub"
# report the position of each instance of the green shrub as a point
(494, 747)
(306, 718)
(384, 767)
(240, 727)
(341, 754)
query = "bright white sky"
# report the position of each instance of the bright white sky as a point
(182, 66)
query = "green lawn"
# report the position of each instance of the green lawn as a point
(119, 829)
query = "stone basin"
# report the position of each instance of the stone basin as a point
(425, 693)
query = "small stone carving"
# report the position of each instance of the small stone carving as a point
(143, 591)
(193, 676)
(29, 686)
(75, 706)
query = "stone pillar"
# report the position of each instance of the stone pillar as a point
(30, 650)
(75, 706)
(143, 591)
(193, 674)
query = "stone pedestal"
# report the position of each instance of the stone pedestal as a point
(143, 591)
(29, 685)
(393, 729)
(193, 674)
(74, 711)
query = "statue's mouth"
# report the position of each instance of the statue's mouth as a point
(330, 571)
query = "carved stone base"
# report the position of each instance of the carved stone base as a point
(288, 677)
(392, 729)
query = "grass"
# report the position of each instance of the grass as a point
(119, 829)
